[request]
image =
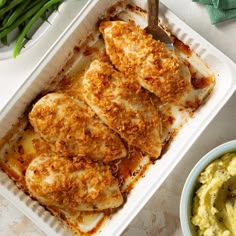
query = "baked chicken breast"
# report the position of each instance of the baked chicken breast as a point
(136, 54)
(72, 186)
(124, 106)
(71, 129)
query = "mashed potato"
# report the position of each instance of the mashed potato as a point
(214, 208)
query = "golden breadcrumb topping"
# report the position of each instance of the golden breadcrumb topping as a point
(124, 106)
(136, 54)
(72, 186)
(71, 128)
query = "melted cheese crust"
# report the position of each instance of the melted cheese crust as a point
(158, 69)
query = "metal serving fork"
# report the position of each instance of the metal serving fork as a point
(153, 28)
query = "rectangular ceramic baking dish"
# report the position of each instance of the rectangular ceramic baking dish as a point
(222, 67)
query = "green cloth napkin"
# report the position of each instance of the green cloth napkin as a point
(219, 10)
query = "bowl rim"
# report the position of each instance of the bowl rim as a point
(188, 189)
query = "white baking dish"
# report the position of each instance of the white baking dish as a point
(222, 67)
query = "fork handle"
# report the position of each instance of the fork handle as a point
(153, 10)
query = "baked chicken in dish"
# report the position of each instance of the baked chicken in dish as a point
(72, 186)
(138, 56)
(124, 106)
(71, 129)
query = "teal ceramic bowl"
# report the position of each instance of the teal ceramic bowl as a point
(191, 183)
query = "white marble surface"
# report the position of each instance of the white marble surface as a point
(160, 216)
